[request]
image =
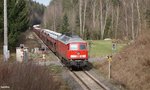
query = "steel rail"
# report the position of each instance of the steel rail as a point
(100, 84)
(97, 81)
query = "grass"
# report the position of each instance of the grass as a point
(100, 48)
(55, 69)
(131, 67)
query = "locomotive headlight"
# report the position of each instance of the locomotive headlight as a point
(73, 56)
(82, 56)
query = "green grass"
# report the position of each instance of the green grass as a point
(100, 48)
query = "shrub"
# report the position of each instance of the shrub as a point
(27, 76)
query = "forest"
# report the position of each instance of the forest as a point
(91, 19)
(21, 14)
(99, 19)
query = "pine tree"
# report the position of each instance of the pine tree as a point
(19, 12)
(17, 20)
(1, 19)
(65, 24)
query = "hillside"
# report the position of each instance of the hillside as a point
(131, 67)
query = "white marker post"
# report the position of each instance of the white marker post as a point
(114, 47)
(5, 46)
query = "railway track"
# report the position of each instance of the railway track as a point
(85, 79)
(43, 44)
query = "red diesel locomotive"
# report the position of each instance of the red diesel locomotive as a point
(71, 49)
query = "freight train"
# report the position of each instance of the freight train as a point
(71, 49)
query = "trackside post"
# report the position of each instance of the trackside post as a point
(109, 66)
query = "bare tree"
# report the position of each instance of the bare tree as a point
(54, 17)
(126, 18)
(94, 12)
(80, 16)
(112, 19)
(132, 9)
(84, 15)
(139, 17)
(101, 18)
(72, 17)
(117, 21)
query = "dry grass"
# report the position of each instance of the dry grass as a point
(27, 76)
(131, 68)
(29, 40)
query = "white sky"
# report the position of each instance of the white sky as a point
(45, 2)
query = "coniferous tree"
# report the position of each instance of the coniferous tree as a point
(1, 18)
(19, 17)
(65, 24)
(18, 20)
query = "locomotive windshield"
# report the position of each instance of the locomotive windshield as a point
(77, 46)
(82, 47)
(73, 46)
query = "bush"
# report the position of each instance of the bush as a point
(27, 76)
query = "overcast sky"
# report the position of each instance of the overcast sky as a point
(45, 2)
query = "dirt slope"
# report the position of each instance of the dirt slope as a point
(131, 67)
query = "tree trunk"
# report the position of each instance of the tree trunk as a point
(112, 21)
(94, 9)
(132, 9)
(139, 18)
(101, 17)
(54, 19)
(103, 24)
(84, 15)
(117, 21)
(80, 16)
(126, 19)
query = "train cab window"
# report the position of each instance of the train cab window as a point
(73, 46)
(82, 47)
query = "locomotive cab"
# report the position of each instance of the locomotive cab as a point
(77, 51)
(78, 54)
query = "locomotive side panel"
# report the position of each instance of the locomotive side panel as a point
(51, 43)
(62, 49)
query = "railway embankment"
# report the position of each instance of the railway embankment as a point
(36, 72)
(130, 68)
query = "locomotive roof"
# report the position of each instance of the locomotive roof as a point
(70, 39)
(52, 34)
